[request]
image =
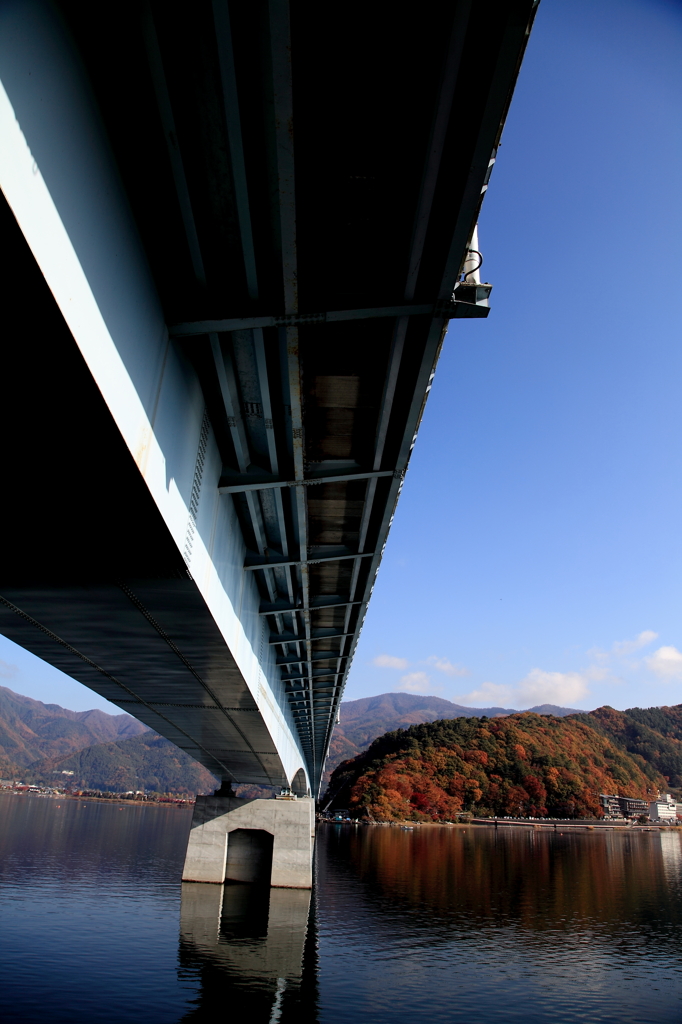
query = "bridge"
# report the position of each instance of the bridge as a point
(234, 236)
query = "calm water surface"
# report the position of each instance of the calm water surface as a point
(437, 925)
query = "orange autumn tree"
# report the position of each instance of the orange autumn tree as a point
(521, 765)
(654, 735)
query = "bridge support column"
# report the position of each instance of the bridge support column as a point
(269, 841)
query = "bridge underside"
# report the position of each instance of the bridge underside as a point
(305, 181)
(92, 580)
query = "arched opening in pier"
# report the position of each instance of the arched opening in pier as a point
(249, 855)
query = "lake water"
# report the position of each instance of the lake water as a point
(435, 925)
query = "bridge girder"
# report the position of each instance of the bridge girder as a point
(278, 159)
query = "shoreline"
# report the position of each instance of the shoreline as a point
(566, 825)
(118, 799)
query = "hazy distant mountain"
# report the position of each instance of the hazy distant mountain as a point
(365, 719)
(554, 709)
(147, 762)
(30, 730)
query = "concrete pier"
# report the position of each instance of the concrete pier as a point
(267, 841)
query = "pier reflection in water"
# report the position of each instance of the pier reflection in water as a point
(246, 942)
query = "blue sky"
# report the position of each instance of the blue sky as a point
(537, 544)
(536, 554)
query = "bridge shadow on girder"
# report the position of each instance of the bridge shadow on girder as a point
(253, 950)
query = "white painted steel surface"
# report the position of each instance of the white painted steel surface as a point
(60, 180)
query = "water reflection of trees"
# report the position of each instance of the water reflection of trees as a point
(384, 891)
(125, 838)
(530, 880)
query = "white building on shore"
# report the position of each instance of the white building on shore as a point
(663, 808)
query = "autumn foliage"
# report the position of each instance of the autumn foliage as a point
(520, 765)
(652, 735)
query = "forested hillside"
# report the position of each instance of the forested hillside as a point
(365, 719)
(652, 734)
(524, 764)
(30, 729)
(147, 762)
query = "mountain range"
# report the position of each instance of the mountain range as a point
(116, 752)
(146, 762)
(633, 752)
(30, 730)
(48, 744)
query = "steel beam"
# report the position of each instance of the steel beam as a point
(230, 396)
(272, 563)
(333, 478)
(228, 81)
(277, 639)
(316, 603)
(436, 144)
(171, 136)
(198, 327)
(292, 659)
(319, 674)
(419, 231)
(282, 98)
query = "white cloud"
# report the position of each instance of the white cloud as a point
(443, 665)
(599, 674)
(8, 671)
(630, 646)
(539, 687)
(564, 688)
(489, 695)
(389, 661)
(417, 682)
(622, 649)
(666, 662)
